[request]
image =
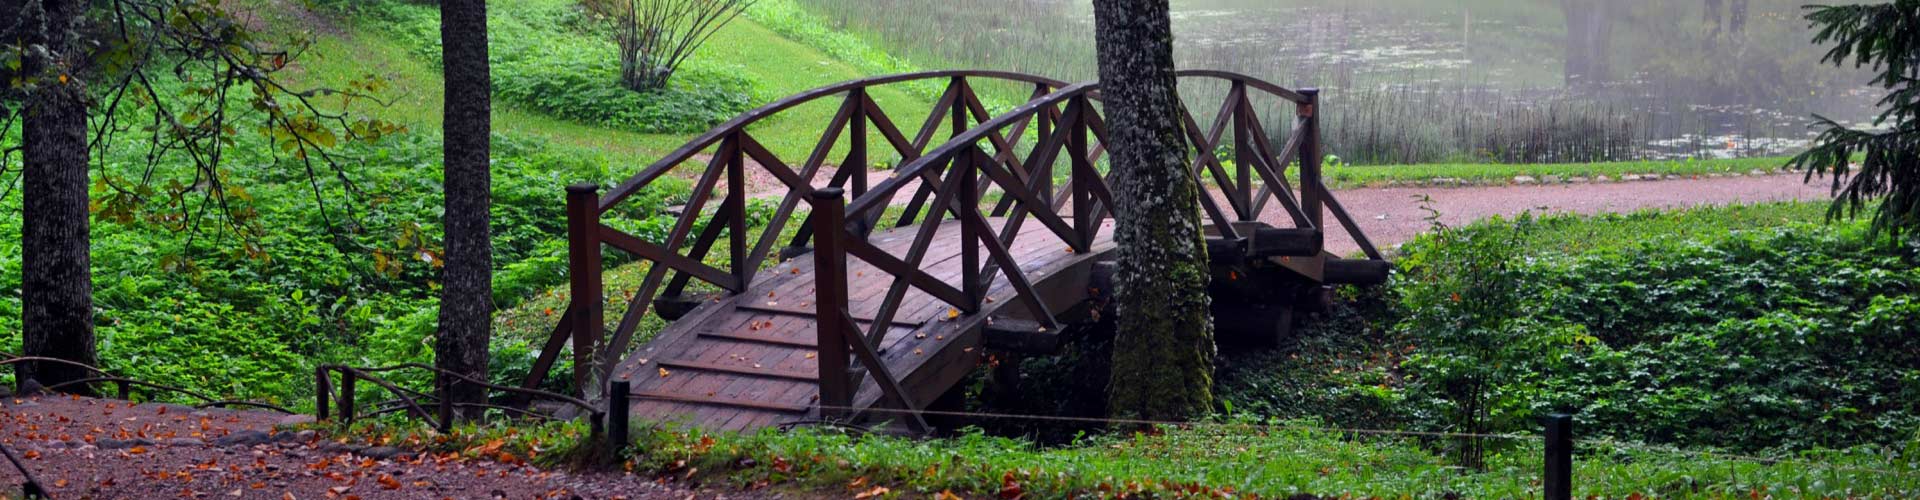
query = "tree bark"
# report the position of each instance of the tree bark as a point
(466, 296)
(56, 281)
(1588, 43)
(1163, 351)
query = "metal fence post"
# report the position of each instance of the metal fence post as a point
(619, 415)
(1559, 460)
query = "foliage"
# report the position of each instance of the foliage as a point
(1236, 460)
(1880, 36)
(1747, 328)
(551, 57)
(657, 36)
(1470, 350)
(186, 77)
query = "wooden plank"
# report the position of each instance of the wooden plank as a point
(738, 370)
(720, 401)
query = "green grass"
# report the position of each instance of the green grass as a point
(351, 49)
(1351, 176)
(1200, 461)
(1581, 234)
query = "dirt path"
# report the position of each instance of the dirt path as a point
(1391, 216)
(92, 448)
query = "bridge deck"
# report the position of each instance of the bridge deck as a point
(747, 361)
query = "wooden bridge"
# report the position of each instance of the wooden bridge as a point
(874, 304)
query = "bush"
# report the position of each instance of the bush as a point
(549, 57)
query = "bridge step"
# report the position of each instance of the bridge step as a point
(761, 339)
(740, 370)
(1357, 271)
(755, 404)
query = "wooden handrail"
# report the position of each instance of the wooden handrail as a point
(949, 179)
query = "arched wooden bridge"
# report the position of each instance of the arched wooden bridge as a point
(881, 304)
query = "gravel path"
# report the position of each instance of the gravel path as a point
(94, 448)
(1391, 216)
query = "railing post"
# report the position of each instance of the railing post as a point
(830, 301)
(1242, 152)
(583, 270)
(966, 166)
(322, 387)
(444, 414)
(1312, 193)
(737, 224)
(857, 144)
(619, 414)
(1558, 477)
(1082, 174)
(347, 381)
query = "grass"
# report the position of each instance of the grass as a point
(1351, 176)
(1571, 234)
(1223, 460)
(347, 49)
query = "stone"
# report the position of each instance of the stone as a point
(381, 452)
(1551, 179)
(332, 447)
(1602, 178)
(243, 438)
(295, 419)
(1524, 179)
(1672, 177)
(1629, 177)
(1576, 179)
(1757, 172)
(185, 442)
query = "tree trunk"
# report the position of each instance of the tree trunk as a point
(1163, 352)
(466, 296)
(56, 282)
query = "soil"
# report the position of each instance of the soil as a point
(1391, 216)
(96, 448)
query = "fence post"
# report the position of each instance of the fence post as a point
(619, 414)
(583, 270)
(347, 380)
(445, 412)
(322, 387)
(830, 301)
(1559, 461)
(1311, 196)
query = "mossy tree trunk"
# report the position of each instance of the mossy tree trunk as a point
(466, 296)
(1163, 352)
(56, 279)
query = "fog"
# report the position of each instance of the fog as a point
(1464, 80)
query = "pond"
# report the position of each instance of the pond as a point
(1466, 80)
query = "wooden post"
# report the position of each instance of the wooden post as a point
(1242, 153)
(1558, 477)
(857, 144)
(347, 380)
(830, 301)
(964, 166)
(322, 386)
(619, 414)
(445, 411)
(1312, 193)
(583, 269)
(737, 223)
(1082, 175)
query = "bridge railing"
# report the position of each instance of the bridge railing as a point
(988, 158)
(727, 152)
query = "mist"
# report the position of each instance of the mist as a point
(1409, 81)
